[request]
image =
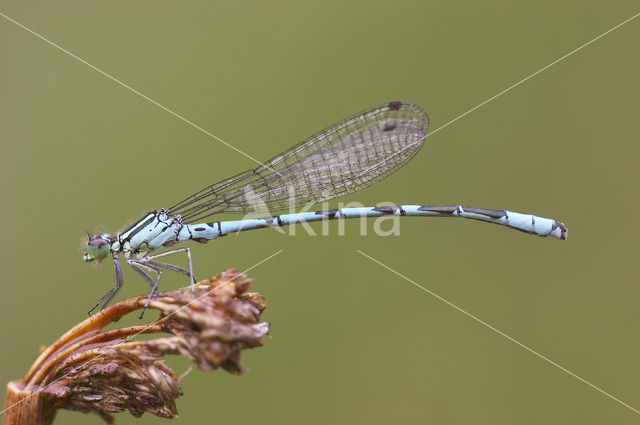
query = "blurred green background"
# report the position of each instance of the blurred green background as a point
(351, 343)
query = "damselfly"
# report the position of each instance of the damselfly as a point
(341, 159)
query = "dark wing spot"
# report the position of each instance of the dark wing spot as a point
(389, 126)
(394, 105)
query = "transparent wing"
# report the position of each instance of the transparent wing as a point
(343, 158)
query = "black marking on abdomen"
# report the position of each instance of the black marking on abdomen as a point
(200, 229)
(489, 213)
(268, 221)
(452, 209)
(386, 209)
(328, 213)
(562, 227)
(394, 105)
(217, 223)
(279, 219)
(447, 209)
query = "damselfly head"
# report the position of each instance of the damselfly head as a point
(97, 247)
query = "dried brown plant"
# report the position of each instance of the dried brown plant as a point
(104, 372)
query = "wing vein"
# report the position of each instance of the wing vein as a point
(341, 159)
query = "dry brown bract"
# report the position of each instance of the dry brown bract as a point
(89, 370)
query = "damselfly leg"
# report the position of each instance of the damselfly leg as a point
(102, 302)
(139, 265)
(150, 263)
(151, 259)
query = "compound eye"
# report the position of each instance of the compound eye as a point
(98, 247)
